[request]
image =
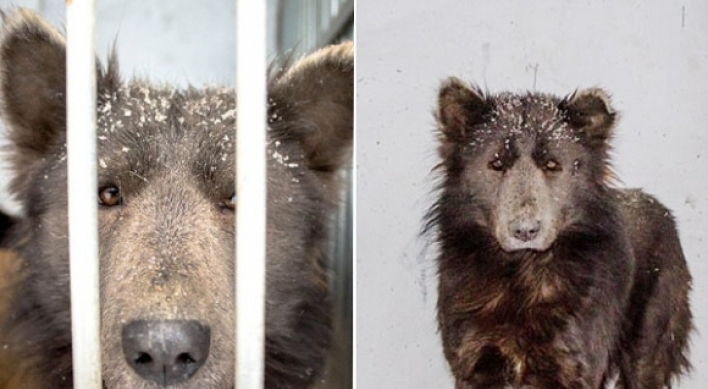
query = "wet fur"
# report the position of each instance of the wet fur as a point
(608, 297)
(167, 250)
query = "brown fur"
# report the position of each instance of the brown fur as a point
(549, 277)
(15, 372)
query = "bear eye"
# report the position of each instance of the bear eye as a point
(231, 202)
(552, 166)
(109, 196)
(496, 165)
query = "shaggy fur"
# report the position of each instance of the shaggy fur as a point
(166, 217)
(549, 277)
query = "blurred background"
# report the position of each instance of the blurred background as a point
(186, 43)
(652, 56)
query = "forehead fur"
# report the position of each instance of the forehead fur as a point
(139, 105)
(526, 115)
(466, 114)
(142, 125)
(138, 119)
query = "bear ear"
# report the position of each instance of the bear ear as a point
(32, 85)
(590, 112)
(460, 109)
(312, 101)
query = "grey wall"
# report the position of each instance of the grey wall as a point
(178, 41)
(651, 55)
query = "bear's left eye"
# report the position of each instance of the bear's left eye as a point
(109, 196)
(552, 166)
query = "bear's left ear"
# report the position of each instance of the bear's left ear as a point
(590, 112)
(312, 101)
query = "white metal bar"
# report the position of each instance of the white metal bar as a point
(251, 192)
(82, 186)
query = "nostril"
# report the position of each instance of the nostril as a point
(143, 358)
(185, 359)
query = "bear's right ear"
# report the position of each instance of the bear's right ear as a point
(460, 109)
(316, 105)
(32, 85)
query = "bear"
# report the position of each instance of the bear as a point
(166, 165)
(549, 275)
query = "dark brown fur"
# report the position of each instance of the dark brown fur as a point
(597, 288)
(166, 247)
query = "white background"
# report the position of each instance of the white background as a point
(652, 56)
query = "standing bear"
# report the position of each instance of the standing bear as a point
(549, 277)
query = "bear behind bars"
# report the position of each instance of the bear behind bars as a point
(166, 219)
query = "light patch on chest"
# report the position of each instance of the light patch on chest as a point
(541, 282)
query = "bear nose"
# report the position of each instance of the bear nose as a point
(525, 230)
(167, 352)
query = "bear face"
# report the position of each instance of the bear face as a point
(166, 164)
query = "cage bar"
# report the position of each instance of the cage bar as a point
(82, 188)
(251, 70)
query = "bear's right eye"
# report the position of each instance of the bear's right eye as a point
(109, 196)
(231, 202)
(496, 165)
